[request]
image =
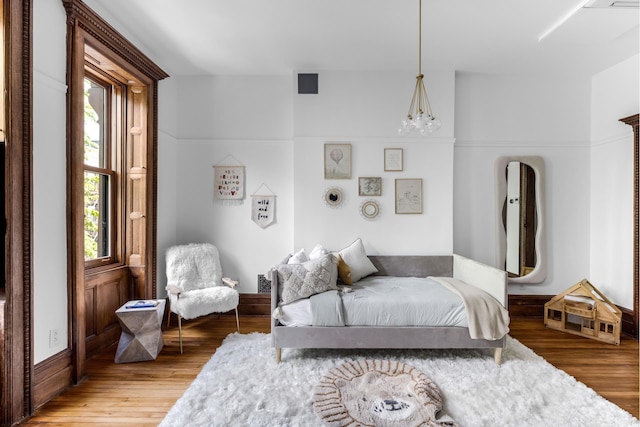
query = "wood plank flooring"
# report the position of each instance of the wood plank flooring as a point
(611, 370)
(142, 393)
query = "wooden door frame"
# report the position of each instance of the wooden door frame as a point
(634, 121)
(17, 314)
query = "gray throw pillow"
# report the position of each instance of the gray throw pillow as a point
(297, 281)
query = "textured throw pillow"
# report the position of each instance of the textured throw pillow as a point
(286, 259)
(357, 260)
(317, 252)
(297, 281)
(299, 257)
(344, 272)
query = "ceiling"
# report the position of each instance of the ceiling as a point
(191, 37)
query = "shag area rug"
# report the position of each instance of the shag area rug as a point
(243, 386)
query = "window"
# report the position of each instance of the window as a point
(100, 173)
(112, 196)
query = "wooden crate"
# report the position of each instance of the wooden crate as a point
(583, 310)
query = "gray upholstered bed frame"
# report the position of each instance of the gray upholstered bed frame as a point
(488, 278)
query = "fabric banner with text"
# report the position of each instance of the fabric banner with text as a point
(228, 183)
(263, 209)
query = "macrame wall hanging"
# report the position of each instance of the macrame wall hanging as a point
(228, 181)
(263, 207)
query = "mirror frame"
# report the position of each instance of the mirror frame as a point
(539, 273)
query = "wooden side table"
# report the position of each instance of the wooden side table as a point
(141, 337)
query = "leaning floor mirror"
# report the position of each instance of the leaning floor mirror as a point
(520, 227)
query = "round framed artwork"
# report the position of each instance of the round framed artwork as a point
(333, 197)
(369, 210)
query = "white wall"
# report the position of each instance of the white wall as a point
(220, 119)
(49, 178)
(567, 215)
(615, 94)
(215, 126)
(524, 115)
(428, 233)
(370, 103)
(365, 108)
(246, 250)
(234, 107)
(167, 190)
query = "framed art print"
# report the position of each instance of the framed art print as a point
(393, 159)
(369, 186)
(409, 195)
(337, 161)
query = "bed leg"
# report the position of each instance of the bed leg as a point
(497, 355)
(278, 354)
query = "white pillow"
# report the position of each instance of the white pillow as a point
(299, 257)
(356, 258)
(318, 252)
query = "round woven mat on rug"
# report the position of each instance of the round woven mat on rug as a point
(378, 393)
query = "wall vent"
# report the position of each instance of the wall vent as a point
(308, 83)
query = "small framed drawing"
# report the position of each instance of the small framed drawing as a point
(337, 161)
(392, 159)
(369, 186)
(409, 195)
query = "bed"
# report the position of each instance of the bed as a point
(481, 278)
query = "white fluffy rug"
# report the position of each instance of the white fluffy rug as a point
(243, 386)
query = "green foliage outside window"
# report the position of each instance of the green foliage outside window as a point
(91, 185)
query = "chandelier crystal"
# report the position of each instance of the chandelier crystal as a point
(420, 118)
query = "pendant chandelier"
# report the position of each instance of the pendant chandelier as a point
(420, 118)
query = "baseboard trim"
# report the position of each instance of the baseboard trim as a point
(528, 305)
(51, 377)
(253, 305)
(628, 325)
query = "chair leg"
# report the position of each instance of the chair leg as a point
(237, 320)
(180, 331)
(168, 317)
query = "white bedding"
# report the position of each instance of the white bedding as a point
(297, 313)
(388, 301)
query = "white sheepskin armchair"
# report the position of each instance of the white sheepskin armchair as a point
(195, 284)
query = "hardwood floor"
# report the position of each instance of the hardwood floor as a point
(610, 370)
(142, 393)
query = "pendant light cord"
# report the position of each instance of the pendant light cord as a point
(420, 37)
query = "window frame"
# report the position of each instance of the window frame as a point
(113, 163)
(90, 35)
